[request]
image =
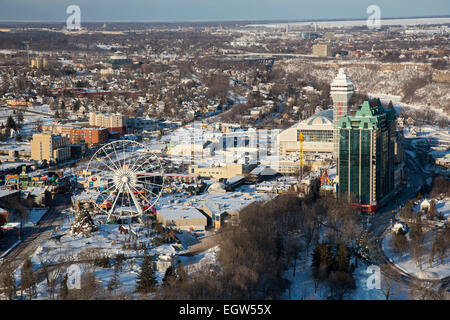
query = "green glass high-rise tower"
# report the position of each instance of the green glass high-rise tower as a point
(366, 155)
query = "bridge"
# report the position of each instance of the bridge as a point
(269, 55)
(251, 61)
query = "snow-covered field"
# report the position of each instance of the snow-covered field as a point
(406, 263)
(302, 285)
(401, 106)
(30, 120)
(79, 251)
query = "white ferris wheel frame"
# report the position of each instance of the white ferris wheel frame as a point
(125, 178)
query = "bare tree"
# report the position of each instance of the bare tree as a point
(8, 281)
(390, 278)
(27, 280)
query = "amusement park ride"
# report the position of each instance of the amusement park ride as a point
(125, 180)
(23, 181)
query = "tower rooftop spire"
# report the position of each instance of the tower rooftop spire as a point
(342, 80)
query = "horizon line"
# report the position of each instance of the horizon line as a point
(219, 21)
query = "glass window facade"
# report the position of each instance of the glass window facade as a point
(366, 143)
(316, 135)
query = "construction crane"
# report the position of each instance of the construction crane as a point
(300, 162)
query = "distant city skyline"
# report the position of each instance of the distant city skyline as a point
(215, 10)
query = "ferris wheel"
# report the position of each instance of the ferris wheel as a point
(125, 180)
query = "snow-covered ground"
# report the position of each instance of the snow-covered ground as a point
(406, 263)
(229, 201)
(194, 262)
(34, 216)
(302, 285)
(30, 120)
(401, 106)
(443, 206)
(106, 241)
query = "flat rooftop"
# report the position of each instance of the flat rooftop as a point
(179, 212)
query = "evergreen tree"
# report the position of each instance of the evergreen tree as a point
(146, 281)
(76, 106)
(390, 105)
(322, 255)
(321, 260)
(11, 124)
(169, 276)
(20, 117)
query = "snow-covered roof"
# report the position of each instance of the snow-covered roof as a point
(5, 193)
(216, 187)
(425, 203)
(179, 212)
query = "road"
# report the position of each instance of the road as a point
(32, 238)
(381, 221)
(26, 110)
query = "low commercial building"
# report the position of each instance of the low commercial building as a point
(317, 135)
(182, 218)
(15, 151)
(228, 171)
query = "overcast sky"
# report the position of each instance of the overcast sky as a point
(209, 10)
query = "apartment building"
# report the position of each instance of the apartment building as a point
(113, 122)
(50, 147)
(91, 136)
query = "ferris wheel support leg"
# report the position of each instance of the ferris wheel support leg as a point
(113, 205)
(136, 203)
